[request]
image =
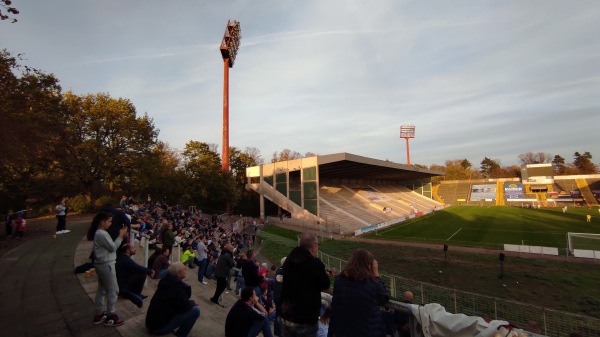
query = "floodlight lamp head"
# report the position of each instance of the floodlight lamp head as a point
(231, 41)
(407, 131)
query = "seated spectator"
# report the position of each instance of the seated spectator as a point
(188, 256)
(266, 300)
(161, 263)
(247, 317)
(210, 269)
(324, 322)
(131, 276)
(171, 307)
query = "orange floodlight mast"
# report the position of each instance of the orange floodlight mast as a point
(407, 131)
(229, 48)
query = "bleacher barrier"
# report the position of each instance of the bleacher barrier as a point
(531, 249)
(589, 254)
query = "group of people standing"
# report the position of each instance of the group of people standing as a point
(358, 293)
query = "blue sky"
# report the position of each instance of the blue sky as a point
(477, 78)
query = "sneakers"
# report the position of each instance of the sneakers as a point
(100, 318)
(113, 320)
(204, 282)
(64, 231)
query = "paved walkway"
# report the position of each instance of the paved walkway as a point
(41, 296)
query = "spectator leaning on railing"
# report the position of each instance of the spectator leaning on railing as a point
(358, 292)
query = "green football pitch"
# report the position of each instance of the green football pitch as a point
(493, 226)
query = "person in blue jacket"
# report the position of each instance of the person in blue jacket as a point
(358, 292)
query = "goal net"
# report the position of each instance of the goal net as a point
(584, 244)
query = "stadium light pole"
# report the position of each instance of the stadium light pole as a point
(407, 131)
(229, 48)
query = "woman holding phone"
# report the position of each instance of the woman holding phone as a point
(105, 250)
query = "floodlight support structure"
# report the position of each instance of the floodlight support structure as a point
(407, 131)
(229, 47)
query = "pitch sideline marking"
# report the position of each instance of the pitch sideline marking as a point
(448, 239)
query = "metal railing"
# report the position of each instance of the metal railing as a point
(554, 323)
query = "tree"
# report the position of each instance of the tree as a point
(30, 105)
(583, 162)
(490, 168)
(208, 184)
(285, 155)
(6, 10)
(465, 164)
(105, 141)
(559, 164)
(534, 158)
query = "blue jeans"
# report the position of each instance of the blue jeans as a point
(202, 269)
(300, 331)
(184, 321)
(263, 325)
(162, 273)
(276, 324)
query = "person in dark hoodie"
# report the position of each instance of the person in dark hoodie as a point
(305, 279)
(224, 265)
(171, 307)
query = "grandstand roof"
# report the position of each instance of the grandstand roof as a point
(351, 166)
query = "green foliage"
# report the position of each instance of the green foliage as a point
(583, 162)
(79, 203)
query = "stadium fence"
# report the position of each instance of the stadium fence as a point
(554, 323)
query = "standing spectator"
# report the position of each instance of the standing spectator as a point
(202, 258)
(358, 292)
(277, 285)
(105, 251)
(224, 265)
(250, 271)
(247, 317)
(9, 222)
(305, 278)
(131, 276)
(167, 237)
(20, 224)
(61, 216)
(171, 307)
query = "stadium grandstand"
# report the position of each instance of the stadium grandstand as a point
(537, 186)
(344, 193)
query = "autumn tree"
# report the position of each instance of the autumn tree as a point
(490, 168)
(30, 105)
(105, 141)
(583, 162)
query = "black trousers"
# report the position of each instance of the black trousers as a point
(221, 285)
(61, 223)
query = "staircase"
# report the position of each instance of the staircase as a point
(586, 193)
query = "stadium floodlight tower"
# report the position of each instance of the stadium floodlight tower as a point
(407, 131)
(229, 48)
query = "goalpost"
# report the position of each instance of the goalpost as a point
(584, 245)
